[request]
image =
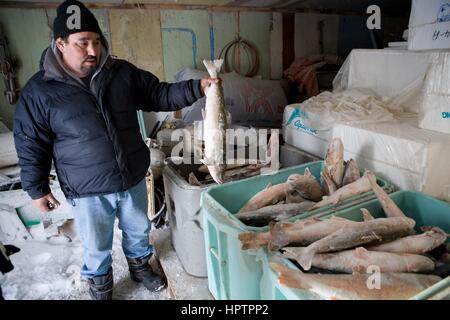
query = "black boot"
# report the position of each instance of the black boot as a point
(140, 271)
(101, 288)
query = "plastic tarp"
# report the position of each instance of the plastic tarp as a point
(251, 101)
(395, 76)
(434, 111)
(350, 106)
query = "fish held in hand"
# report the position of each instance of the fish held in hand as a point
(215, 123)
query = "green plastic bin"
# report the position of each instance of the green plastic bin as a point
(425, 210)
(233, 273)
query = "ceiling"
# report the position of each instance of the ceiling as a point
(397, 7)
(390, 7)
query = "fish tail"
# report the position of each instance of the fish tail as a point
(213, 67)
(252, 240)
(286, 276)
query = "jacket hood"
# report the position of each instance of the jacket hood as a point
(54, 68)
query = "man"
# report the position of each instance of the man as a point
(80, 110)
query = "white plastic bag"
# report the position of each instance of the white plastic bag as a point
(434, 112)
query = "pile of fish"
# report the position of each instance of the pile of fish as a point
(302, 193)
(298, 194)
(346, 250)
(232, 172)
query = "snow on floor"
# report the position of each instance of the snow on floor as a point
(50, 270)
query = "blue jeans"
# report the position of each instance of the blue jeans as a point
(95, 217)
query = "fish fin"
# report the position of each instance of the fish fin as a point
(336, 200)
(283, 216)
(213, 67)
(268, 186)
(434, 229)
(361, 252)
(193, 180)
(251, 240)
(203, 114)
(305, 257)
(358, 269)
(307, 173)
(366, 215)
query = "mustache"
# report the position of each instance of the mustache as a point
(90, 58)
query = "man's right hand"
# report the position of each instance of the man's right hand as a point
(46, 203)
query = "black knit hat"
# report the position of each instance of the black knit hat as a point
(67, 22)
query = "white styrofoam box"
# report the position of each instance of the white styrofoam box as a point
(8, 154)
(395, 75)
(400, 152)
(430, 37)
(429, 25)
(434, 112)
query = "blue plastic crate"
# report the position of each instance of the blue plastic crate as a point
(232, 272)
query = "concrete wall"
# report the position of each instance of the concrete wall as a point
(307, 34)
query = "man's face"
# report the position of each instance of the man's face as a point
(81, 53)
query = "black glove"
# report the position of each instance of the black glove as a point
(5, 252)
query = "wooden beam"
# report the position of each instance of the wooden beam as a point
(288, 39)
(176, 6)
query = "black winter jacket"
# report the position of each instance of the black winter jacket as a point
(93, 133)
